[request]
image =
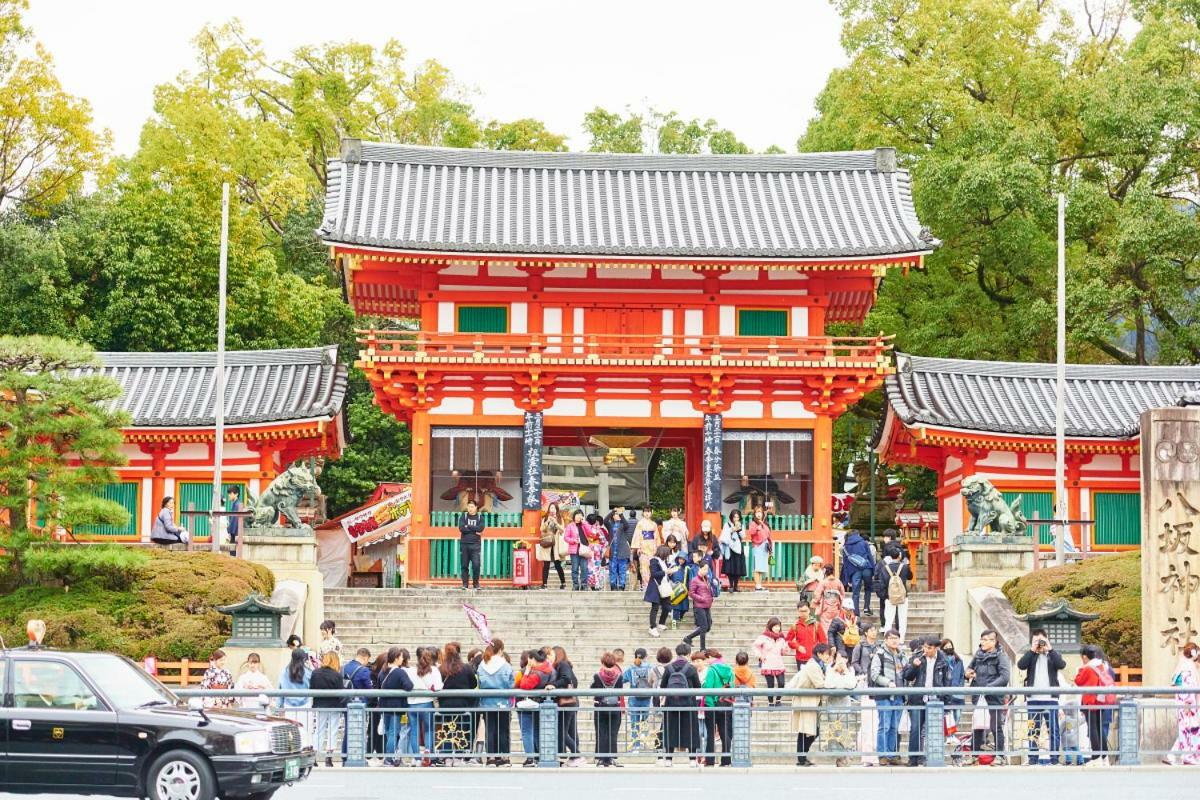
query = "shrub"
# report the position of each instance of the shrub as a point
(137, 602)
(1110, 586)
(114, 566)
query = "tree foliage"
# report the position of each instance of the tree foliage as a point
(657, 132)
(996, 107)
(58, 438)
(47, 144)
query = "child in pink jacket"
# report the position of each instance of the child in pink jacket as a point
(769, 648)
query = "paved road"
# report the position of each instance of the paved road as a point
(849, 784)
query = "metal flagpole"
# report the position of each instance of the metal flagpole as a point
(214, 521)
(1060, 391)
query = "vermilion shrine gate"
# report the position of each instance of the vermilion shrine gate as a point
(568, 299)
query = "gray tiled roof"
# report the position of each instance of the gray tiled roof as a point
(813, 205)
(1019, 398)
(176, 389)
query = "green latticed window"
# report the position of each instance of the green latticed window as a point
(1118, 517)
(483, 319)
(124, 495)
(762, 322)
(495, 560)
(198, 497)
(1036, 505)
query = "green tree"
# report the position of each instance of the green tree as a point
(380, 451)
(47, 145)
(59, 440)
(522, 134)
(996, 107)
(657, 131)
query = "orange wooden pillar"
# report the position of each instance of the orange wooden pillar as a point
(823, 486)
(418, 550)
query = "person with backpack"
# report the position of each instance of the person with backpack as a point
(607, 711)
(769, 648)
(1094, 672)
(568, 709)
(658, 590)
(637, 676)
(718, 711)
(929, 669)
(662, 660)
(680, 719)
(858, 567)
(887, 672)
(701, 591)
(990, 668)
(892, 576)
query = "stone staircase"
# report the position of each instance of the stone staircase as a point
(586, 624)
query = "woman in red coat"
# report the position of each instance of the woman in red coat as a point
(1092, 673)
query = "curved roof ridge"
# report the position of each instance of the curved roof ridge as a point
(1010, 397)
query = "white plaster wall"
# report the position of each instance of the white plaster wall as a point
(998, 458)
(1040, 461)
(445, 317)
(693, 321)
(518, 321)
(454, 405)
(790, 409)
(1105, 462)
(952, 463)
(679, 408)
(745, 409)
(728, 323)
(191, 450)
(238, 450)
(800, 321)
(460, 268)
(952, 520)
(668, 321)
(632, 409)
(567, 271)
(496, 406)
(552, 320)
(578, 318)
(567, 407)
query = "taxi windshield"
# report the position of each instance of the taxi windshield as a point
(125, 684)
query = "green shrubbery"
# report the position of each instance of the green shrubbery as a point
(126, 600)
(1110, 586)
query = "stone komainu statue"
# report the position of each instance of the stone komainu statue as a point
(282, 498)
(989, 512)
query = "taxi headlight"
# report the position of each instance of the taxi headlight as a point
(251, 742)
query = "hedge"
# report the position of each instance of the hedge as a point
(138, 603)
(1110, 586)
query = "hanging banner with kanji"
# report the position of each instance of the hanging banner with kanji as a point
(531, 463)
(713, 461)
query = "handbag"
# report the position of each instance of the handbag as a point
(679, 593)
(981, 718)
(665, 587)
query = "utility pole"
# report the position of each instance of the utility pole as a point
(1060, 391)
(215, 518)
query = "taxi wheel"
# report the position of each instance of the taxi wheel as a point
(181, 775)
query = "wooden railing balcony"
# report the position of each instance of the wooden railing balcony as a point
(381, 348)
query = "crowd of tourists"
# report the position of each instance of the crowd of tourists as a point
(411, 730)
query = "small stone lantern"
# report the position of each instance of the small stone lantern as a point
(256, 623)
(1063, 624)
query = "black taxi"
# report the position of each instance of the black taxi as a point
(96, 723)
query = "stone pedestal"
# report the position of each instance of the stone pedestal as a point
(291, 555)
(977, 561)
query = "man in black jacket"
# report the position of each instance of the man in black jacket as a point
(1042, 664)
(929, 669)
(620, 540)
(990, 668)
(470, 543)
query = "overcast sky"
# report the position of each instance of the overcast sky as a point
(753, 65)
